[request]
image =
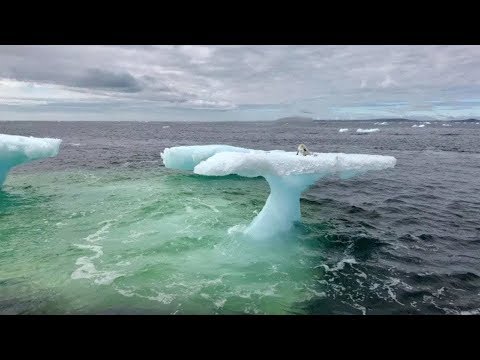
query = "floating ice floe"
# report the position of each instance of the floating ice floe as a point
(287, 174)
(342, 130)
(16, 150)
(366, 131)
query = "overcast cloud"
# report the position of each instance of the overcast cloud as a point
(238, 82)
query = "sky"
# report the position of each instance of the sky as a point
(238, 83)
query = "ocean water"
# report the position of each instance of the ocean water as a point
(105, 228)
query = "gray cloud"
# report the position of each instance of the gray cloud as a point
(312, 79)
(103, 79)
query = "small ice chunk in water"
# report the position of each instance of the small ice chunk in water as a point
(366, 131)
(342, 130)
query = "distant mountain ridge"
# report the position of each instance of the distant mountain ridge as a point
(466, 120)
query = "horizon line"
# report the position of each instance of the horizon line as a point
(290, 118)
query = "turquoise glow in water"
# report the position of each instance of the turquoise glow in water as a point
(159, 241)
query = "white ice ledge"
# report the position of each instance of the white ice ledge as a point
(16, 150)
(288, 175)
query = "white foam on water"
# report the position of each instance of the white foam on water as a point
(211, 207)
(363, 309)
(361, 274)
(342, 130)
(220, 303)
(340, 265)
(86, 267)
(123, 263)
(374, 286)
(312, 293)
(439, 292)
(161, 297)
(470, 312)
(388, 286)
(125, 292)
(98, 234)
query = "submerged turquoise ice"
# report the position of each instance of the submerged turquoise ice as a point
(287, 174)
(16, 150)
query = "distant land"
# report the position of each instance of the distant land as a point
(466, 121)
(296, 119)
(309, 119)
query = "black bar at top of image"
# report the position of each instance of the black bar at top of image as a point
(241, 24)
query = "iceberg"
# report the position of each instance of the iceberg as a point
(366, 131)
(287, 174)
(16, 150)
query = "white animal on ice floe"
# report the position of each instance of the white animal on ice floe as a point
(302, 149)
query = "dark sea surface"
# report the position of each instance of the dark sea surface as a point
(105, 228)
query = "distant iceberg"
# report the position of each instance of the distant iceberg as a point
(16, 150)
(287, 174)
(366, 131)
(342, 130)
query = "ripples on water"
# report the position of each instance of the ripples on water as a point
(105, 228)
